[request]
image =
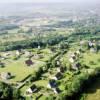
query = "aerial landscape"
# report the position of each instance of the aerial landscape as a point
(50, 50)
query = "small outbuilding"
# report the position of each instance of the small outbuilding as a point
(29, 62)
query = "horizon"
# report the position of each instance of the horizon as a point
(50, 1)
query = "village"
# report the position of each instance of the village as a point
(49, 51)
(39, 73)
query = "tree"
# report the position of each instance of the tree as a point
(16, 94)
(8, 93)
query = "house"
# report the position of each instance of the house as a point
(57, 76)
(37, 56)
(52, 84)
(2, 64)
(29, 62)
(2, 58)
(56, 90)
(93, 50)
(60, 69)
(7, 54)
(32, 89)
(78, 52)
(58, 63)
(53, 49)
(41, 56)
(82, 42)
(76, 66)
(27, 53)
(71, 60)
(17, 53)
(91, 43)
(39, 47)
(5, 75)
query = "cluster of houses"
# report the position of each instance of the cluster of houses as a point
(23, 52)
(20, 52)
(92, 45)
(5, 55)
(73, 60)
(52, 84)
(73, 56)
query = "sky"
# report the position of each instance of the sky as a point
(44, 1)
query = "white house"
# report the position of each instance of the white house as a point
(17, 53)
(5, 75)
(55, 90)
(71, 60)
(78, 52)
(32, 89)
(39, 47)
(58, 63)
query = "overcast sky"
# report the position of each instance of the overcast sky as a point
(38, 1)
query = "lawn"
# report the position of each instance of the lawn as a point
(91, 57)
(42, 83)
(19, 68)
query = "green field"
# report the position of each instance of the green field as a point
(20, 69)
